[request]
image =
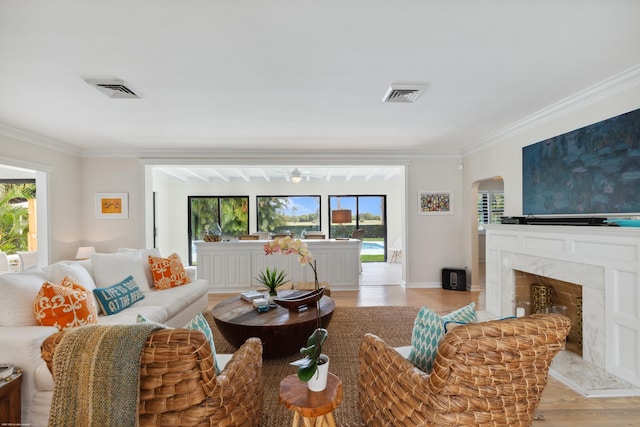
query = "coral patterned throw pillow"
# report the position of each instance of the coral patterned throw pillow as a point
(65, 305)
(168, 272)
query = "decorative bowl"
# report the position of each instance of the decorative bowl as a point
(296, 302)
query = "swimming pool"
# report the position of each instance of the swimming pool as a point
(372, 245)
(372, 248)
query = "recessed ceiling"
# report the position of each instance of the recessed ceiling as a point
(299, 76)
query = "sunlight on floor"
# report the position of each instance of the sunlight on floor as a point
(380, 274)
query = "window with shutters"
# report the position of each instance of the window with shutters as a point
(490, 207)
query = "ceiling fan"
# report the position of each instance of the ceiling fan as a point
(296, 175)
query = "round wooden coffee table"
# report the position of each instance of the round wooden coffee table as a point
(282, 332)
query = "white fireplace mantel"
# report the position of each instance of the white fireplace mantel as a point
(605, 261)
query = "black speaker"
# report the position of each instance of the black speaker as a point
(454, 279)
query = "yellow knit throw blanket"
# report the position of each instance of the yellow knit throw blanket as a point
(96, 372)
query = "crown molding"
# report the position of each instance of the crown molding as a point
(39, 140)
(225, 155)
(621, 82)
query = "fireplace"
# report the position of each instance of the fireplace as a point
(604, 263)
(565, 298)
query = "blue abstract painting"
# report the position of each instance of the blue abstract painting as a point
(591, 170)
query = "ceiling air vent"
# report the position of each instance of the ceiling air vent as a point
(113, 88)
(403, 93)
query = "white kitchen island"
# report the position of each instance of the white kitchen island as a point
(233, 266)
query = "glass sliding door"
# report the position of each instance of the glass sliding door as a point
(228, 215)
(367, 213)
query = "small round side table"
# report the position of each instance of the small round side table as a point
(313, 408)
(10, 406)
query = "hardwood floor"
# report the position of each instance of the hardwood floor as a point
(560, 405)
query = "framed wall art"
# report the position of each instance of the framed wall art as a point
(594, 170)
(112, 205)
(434, 202)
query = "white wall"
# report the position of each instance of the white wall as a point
(433, 241)
(112, 175)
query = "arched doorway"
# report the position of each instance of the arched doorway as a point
(488, 197)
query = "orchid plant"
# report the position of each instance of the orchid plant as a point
(308, 365)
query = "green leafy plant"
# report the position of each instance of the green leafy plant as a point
(308, 365)
(272, 279)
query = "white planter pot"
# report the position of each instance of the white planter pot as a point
(318, 381)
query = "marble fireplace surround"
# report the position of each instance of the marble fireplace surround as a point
(605, 262)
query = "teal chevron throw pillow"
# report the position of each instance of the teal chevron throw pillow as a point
(198, 323)
(428, 330)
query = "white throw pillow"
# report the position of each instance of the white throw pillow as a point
(109, 269)
(18, 291)
(144, 258)
(62, 269)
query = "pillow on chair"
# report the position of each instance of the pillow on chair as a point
(428, 330)
(198, 323)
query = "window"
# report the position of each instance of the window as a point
(227, 214)
(490, 207)
(295, 214)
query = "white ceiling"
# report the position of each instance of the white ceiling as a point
(298, 76)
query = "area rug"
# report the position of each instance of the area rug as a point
(347, 327)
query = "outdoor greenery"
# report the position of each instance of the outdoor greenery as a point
(372, 258)
(234, 215)
(230, 213)
(204, 213)
(14, 218)
(270, 217)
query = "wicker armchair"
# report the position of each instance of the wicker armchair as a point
(178, 385)
(488, 374)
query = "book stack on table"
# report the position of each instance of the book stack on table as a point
(251, 295)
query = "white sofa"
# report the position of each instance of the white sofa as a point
(21, 336)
